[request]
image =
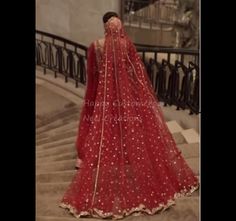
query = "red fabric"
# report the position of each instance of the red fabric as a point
(89, 100)
(130, 159)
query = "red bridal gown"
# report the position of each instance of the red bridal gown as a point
(130, 159)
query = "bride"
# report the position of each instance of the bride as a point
(128, 161)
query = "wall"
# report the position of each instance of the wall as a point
(151, 37)
(77, 20)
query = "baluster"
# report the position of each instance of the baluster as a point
(168, 57)
(67, 67)
(70, 61)
(82, 70)
(143, 56)
(155, 56)
(60, 58)
(194, 98)
(173, 85)
(161, 91)
(49, 65)
(185, 87)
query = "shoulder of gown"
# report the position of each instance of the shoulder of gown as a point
(98, 43)
(91, 47)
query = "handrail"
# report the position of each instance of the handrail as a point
(167, 50)
(174, 77)
(61, 39)
(67, 57)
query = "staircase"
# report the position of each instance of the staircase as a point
(56, 132)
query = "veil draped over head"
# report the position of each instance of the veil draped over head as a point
(130, 159)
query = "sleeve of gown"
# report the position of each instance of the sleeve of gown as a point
(89, 100)
(91, 76)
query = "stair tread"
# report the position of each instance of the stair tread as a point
(179, 138)
(56, 151)
(58, 157)
(56, 166)
(57, 218)
(57, 143)
(57, 163)
(55, 177)
(189, 150)
(194, 165)
(60, 114)
(64, 127)
(55, 183)
(64, 135)
(190, 135)
(58, 124)
(174, 127)
(56, 172)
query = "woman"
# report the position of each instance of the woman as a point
(130, 162)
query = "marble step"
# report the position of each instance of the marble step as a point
(58, 157)
(191, 136)
(62, 135)
(55, 177)
(66, 141)
(194, 164)
(57, 218)
(55, 166)
(174, 127)
(179, 138)
(47, 205)
(189, 150)
(62, 116)
(51, 189)
(63, 127)
(55, 151)
(58, 123)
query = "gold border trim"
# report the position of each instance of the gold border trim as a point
(119, 110)
(101, 139)
(140, 209)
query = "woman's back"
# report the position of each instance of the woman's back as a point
(130, 159)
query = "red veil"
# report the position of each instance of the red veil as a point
(130, 160)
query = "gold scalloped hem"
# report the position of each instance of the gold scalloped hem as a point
(135, 211)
